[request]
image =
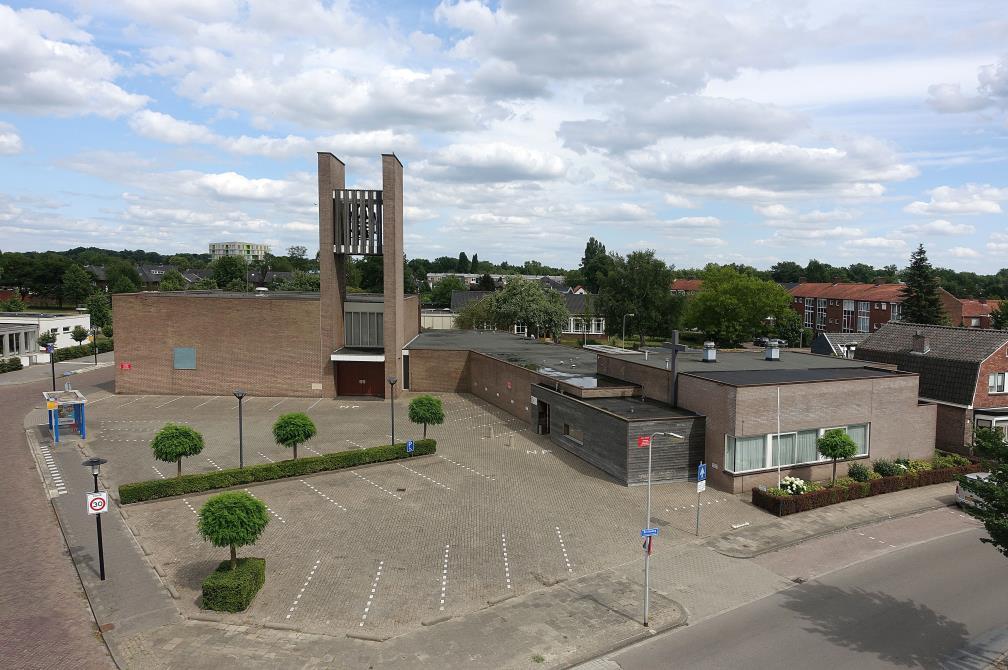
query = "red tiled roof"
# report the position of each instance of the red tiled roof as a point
(687, 285)
(847, 291)
(974, 308)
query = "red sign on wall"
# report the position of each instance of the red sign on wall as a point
(125, 366)
(509, 386)
(644, 441)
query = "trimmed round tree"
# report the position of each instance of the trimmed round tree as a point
(838, 445)
(79, 334)
(293, 429)
(232, 519)
(175, 442)
(426, 409)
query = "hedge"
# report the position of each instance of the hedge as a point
(227, 590)
(10, 364)
(68, 353)
(207, 481)
(784, 505)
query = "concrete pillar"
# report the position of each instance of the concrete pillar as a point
(332, 269)
(3, 345)
(392, 252)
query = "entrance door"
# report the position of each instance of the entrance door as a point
(360, 379)
(544, 423)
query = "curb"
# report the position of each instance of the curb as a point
(211, 618)
(281, 626)
(369, 637)
(436, 620)
(644, 634)
(498, 600)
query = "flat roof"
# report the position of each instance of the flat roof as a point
(636, 409)
(750, 359)
(260, 295)
(790, 376)
(40, 315)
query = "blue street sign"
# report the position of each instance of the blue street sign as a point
(409, 447)
(701, 473)
(649, 532)
(49, 348)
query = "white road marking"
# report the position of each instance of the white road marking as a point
(313, 404)
(507, 566)
(266, 457)
(379, 486)
(317, 453)
(323, 495)
(189, 505)
(311, 575)
(359, 446)
(214, 464)
(434, 481)
(563, 548)
(131, 402)
(374, 587)
(158, 472)
(207, 402)
(268, 508)
(444, 577)
(54, 472)
(467, 468)
(169, 402)
(276, 405)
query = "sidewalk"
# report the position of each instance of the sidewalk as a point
(41, 372)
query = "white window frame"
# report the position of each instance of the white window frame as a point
(768, 439)
(810, 312)
(863, 316)
(996, 383)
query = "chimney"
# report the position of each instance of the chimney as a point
(802, 280)
(920, 343)
(772, 351)
(878, 281)
(709, 352)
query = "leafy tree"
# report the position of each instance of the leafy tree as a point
(79, 334)
(46, 338)
(172, 281)
(13, 304)
(77, 284)
(300, 281)
(236, 286)
(595, 265)
(788, 327)
(354, 277)
(227, 269)
(442, 291)
(990, 497)
(293, 429)
(786, 272)
(372, 269)
(182, 262)
(175, 442)
(521, 301)
(426, 409)
(205, 284)
(836, 444)
(122, 277)
(463, 262)
(232, 519)
(297, 257)
(921, 302)
(638, 284)
(486, 283)
(474, 265)
(999, 317)
(122, 284)
(477, 314)
(732, 306)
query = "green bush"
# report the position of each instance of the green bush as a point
(207, 481)
(227, 590)
(68, 353)
(10, 364)
(859, 472)
(918, 465)
(941, 461)
(887, 468)
(815, 486)
(845, 482)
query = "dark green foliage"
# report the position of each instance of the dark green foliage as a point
(227, 269)
(887, 468)
(175, 442)
(990, 497)
(426, 409)
(300, 281)
(463, 262)
(10, 364)
(788, 327)
(236, 286)
(205, 284)
(207, 481)
(14, 304)
(836, 444)
(77, 284)
(172, 281)
(639, 284)
(732, 306)
(949, 461)
(293, 429)
(999, 317)
(79, 334)
(69, 353)
(227, 590)
(595, 265)
(232, 519)
(921, 302)
(442, 291)
(859, 472)
(122, 277)
(45, 339)
(788, 504)
(486, 283)
(100, 310)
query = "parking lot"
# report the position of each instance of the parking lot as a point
(381, 549)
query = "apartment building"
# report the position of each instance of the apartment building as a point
(842, 307)
(247, 250)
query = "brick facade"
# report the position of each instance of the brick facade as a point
(996, 362)
(953, 428)
(658, 384)
(268, 346)
(439, 370)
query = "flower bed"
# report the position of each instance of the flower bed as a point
(782, 505)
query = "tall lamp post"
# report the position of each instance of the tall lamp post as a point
(240, 394)
(94, 341)
(647, 553)
(95, 465)
(392, 379)
(624, 328)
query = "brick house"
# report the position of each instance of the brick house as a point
(842, 307)
(968, 312)
(962, 370)
(582, 321)
(686, 286)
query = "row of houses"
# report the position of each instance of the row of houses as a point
(152, 274)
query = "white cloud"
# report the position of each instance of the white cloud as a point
(877, 243)
(678, 201)
(165, 128)
(992, 91)
(968, 199)
(10, 141)
(963, 252)
(695, 222)
(492, 162)
(939, 227)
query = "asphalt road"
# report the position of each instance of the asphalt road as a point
(911, 608)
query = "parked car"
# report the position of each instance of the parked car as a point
(964, 497)
(761, 341)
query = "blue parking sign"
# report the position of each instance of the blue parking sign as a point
(409, 447)
(701, 473)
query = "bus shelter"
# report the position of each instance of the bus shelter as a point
(66, 413)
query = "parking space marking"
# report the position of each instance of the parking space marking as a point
(189, 505)
(131, 402)
(276, 405)
(207, 402)
(507, 566)
(379, 486)
(374, 587)
(563, 548)
(467, 468)
(323, 495)
(444, 577)
(169, 402)
(53, 469)
(210, 461)
(159, 474)
(433, 481)
(313, 404)
(359, 446)
(311, 576)
(265, 457)
(268, 508)
(692, 506)
(317, 453)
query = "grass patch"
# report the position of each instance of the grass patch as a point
(227, 590)
(208, 481)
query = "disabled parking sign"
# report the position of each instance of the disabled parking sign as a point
(409, 447)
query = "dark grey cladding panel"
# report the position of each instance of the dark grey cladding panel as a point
(671, 459)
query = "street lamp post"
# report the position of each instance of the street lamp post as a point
(624, 327)
(94, 341)
(392, 379)
(240, 394)
(95, 465)
(51, 348)
(647, 553)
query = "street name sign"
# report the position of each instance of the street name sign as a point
(648, 532)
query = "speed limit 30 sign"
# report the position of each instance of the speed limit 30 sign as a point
(97, 503)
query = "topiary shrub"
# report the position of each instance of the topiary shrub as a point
(293, 429)
(426, 409)
(230, 589)
(175, 442)
(232, 519)
(845, 482)
(859, 472)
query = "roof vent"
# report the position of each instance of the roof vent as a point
(772, 352)
(920, 343)
(709, 352)
(668, 363)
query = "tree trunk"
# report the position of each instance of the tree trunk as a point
(179, 468)
(425, 431)
(834, 471)
(234, 558)
(295, 451)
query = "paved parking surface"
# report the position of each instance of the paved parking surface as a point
(497, 512)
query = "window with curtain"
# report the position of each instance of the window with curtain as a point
(784, 450)
(806, 449)
(746, 453)
(859, 433)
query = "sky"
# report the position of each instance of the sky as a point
(709, 131)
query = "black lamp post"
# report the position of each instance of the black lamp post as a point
(240, 394)
(392, 379)
(95, 465)
(94, 341)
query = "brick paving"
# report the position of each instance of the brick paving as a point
(45, 621)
